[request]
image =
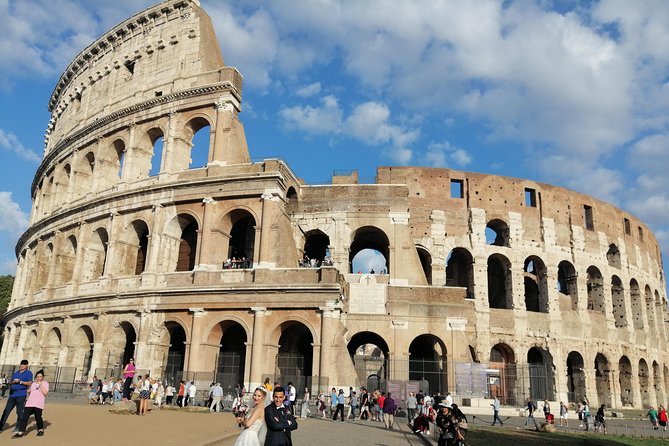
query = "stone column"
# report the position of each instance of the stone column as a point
(205, 246)
(8, 345)
(257, 348)
(195, 339)
(265, 244)
(329, 317)
(614, 382)
(591, 384)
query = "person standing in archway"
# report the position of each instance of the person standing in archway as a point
(128, 376)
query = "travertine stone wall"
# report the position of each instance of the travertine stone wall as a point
(133, 251)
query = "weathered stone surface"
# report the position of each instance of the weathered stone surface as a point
(495, 283)
(124, 408)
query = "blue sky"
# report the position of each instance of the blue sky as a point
(570, 93)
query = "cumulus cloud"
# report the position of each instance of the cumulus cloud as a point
(306, 91)
(444, 154)
(15, 221)
(369, 122)
(324, 119)
(9, 142)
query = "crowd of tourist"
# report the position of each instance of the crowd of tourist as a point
(238, 263)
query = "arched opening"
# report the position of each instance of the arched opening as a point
(650, 311)
(51, 349)
(96, 255)
(428, 363)
(231, 361)
(500, 293)
(155, 162)
(187, 243)
(369, 353)
(83, 350)
(84, 174)
(497, 233)
(43, 265)
(176, 353)
(625, 380)
(595, 290)
(644, 383)
(603, 379)
(292, 200)
(200, 144)
(295, 357)
(369, 239)
(540, 371)
(31, 349)
(242, 239)
(637, 305)
(110, 169)
(121, 346)
(502, 374)
(460, 270)
(576, 390)
(316, 248)
(618, 297)
(66, 261)
(613, 256)
(536, 287)
(136, 248)
(426, 262)
(567, 284)
(657, 382)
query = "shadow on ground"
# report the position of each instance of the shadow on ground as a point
(511, 437)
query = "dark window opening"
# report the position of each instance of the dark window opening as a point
(587, 216)
(457, 189)
(628, 229)
(497, 233)
(640, 233)
(130, 66)
(530, 198)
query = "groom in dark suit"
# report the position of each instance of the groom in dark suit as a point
(280, 422)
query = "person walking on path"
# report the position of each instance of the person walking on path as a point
(341, 399)
(34, 405)
(495, 409)
(563, 414)
(411, 407)
(652, 415)
(600, 420)
(18, 392)
(389, 409)
(662, 417)
(531, 407)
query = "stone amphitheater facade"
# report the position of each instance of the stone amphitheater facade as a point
(492, 285)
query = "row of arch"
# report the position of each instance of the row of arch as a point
(54, 262)
(118, 159)
(460, 272)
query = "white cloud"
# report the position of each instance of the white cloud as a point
(15, 221)
(9, 142)
(308, 90)
(316, 120)
(445, 154)
(370, 122)
(7, 267)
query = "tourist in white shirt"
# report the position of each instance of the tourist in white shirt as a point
(216, 395)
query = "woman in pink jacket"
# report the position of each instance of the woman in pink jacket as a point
(34, 404)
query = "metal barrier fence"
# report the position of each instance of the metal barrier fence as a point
(512, 383)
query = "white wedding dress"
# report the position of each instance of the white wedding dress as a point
(254, 435)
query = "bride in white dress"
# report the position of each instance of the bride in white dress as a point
(253, 422)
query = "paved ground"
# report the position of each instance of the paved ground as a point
(72, 422)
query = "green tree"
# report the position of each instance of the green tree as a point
(6, 284)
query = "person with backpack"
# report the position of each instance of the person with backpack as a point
(530, 408)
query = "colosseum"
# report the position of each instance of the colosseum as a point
(238, 271)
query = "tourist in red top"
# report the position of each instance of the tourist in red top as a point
(34, 404)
